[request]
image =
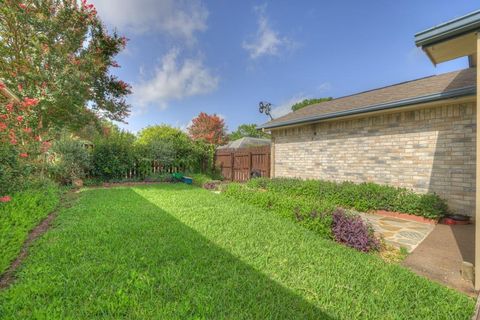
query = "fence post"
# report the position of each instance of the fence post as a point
(232, 167)
(250, 163)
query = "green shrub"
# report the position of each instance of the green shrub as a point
(361, 197)
(199, 179)
(9, 169)
(172, 147)
(70, 160)
(113, 157)
(313, 215)
(22, 214)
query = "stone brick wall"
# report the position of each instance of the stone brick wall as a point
(428, 150)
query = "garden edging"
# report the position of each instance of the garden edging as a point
(405, 216)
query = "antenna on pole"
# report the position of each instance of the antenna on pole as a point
(265, 107)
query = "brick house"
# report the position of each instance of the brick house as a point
(420, 134)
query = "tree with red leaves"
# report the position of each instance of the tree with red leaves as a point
(209, 129)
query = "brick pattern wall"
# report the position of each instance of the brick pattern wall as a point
(428, 150)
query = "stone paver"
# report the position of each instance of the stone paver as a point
(399, 232)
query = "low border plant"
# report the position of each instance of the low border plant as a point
(361, 197)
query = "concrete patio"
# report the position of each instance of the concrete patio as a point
(435, 251)
(441, 255)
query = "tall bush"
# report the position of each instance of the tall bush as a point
(113, 156)
(171, 147)
(70, 160)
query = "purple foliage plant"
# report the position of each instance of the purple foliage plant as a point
(352, 231)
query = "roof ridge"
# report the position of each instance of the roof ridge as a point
(384, 87)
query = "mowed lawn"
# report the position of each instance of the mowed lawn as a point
(180, 252)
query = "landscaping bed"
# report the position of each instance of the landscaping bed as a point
(177, 251)
(315, 205)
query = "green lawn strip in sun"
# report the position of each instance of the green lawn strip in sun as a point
(177, 252)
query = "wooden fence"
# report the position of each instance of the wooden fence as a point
(239, 164)
(146, 170)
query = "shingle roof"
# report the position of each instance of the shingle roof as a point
(246, 142)
(433, 88)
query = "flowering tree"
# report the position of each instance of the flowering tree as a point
(209, 131)
(208, 128)
(58, 52)
(19, 140)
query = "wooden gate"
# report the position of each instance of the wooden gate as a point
(238, 164)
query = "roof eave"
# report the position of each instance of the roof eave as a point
(449, 29)
(457, 93)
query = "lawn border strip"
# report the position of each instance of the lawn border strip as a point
(8, 277)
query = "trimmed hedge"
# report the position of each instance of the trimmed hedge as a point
(361, 197)
(21, 215)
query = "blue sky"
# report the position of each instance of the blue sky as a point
(224, 57)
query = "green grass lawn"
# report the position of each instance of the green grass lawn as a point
(180, 252)
(21, 215)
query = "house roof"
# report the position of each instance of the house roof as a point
(246, 142)
(452, 39)
(434, 88)
(453, 28)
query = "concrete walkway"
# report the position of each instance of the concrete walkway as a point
(439, 257)
(399, 232)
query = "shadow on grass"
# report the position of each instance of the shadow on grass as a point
(213, 282)
(121, 244)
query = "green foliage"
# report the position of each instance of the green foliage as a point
(12, 171)
(247, 130)
(113, 156)
(70, 160)
(171, 146)
(361, 197)
(200, 179)
(308, 102)
(173, 251)
(20, 215)
(151, 134)
(314, 215)
(60, 53)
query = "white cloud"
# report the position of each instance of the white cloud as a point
(266, 41)
(324, 87)
(175, 81)
(183, 125)
(178, 18)
(285, 107)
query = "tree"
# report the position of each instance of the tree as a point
(171, 146)
(150, 134)
(208, 128)
(308, 102)
(58, 51)
(247, 130)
